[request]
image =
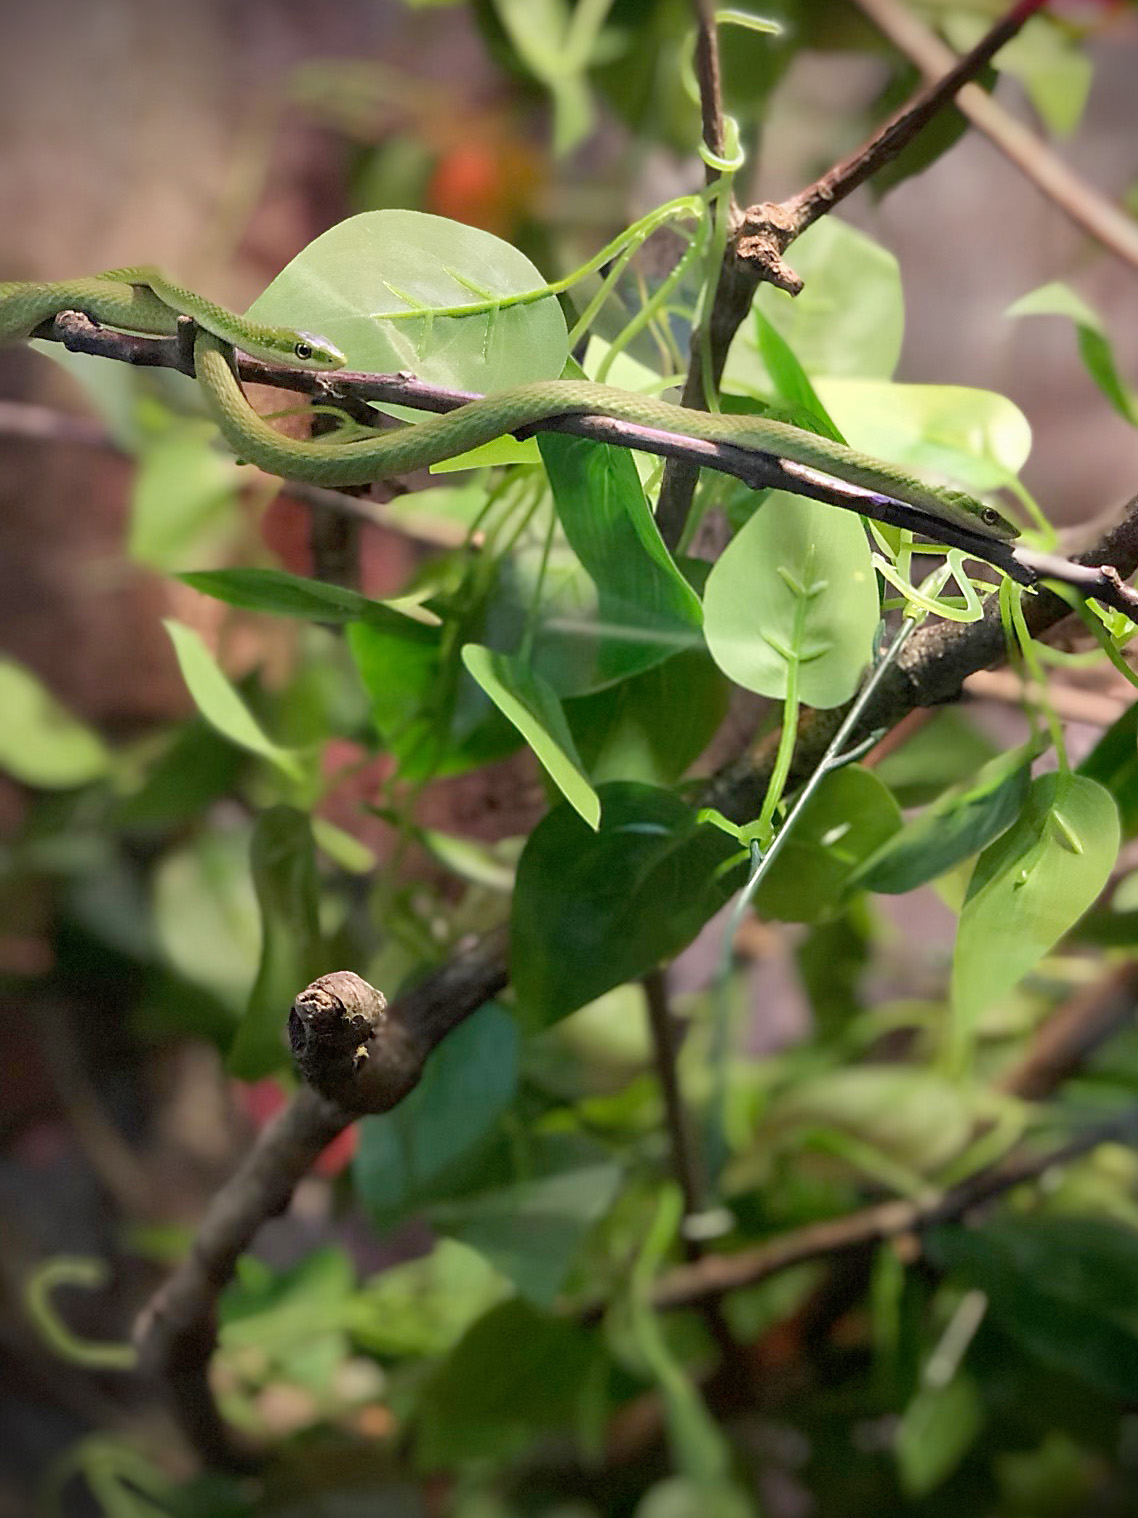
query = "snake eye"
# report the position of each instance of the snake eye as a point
(990, 516)
(303, 350)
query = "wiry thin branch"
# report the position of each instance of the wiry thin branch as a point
(757, 470)
(687, 1285)
(1088, 208)
(763, 232)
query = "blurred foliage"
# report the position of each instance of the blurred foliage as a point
(206, 869)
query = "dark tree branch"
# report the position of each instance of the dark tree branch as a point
(763, 232)
(757, 470)
(1088, 208)
(687, 1285)
(707, 74)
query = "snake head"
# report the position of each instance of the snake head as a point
(308, 351)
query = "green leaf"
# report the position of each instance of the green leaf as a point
(283, 863)
(795, 587)
(936, 1431)
(1053, 67)
(652, 726)
(406, 265)
(408, 1156)
(206, 914)
(424, 1307)
(592, 910)
(848, 818)
(946, 750)
(848, 320)
(285, 595)
(1064, 1288)
(954, 432)
(41, 743)
(1030, 887)
(220, 704)
(1113, 762)
(1058, 299)
(532, 1230)
(791, 382)
(959, 823)
(914, 1116)
(531, 704)
(516, 1374)
(433, 724)
(183, 491)
(196, 768)
(647, 610)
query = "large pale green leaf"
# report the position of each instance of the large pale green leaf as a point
(183, 492)
(1058, 299)
(950, 432)
(1053, 65)
(592, 910)
(390, 263)
(959, 823)
(1030, 887)
(794, 588)
(206, 914)
(41, 743)
(1065, 1288)
(532, 705)
(848, 320)
(912, 1115)
(220, 704)
(282, 858)
(424, 1307)
(850, 815)
(407, 1156)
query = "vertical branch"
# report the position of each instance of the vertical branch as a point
(685, 1154)
(710, 90)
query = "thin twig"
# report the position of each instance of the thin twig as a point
(1061, 1045)
(687, 1285)
(707, 75)
(685, 1151)
(1088, 208)
(763, 232)
(888, 141)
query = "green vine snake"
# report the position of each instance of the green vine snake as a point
(143, 300)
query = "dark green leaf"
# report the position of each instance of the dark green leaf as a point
(516, 1374)
(285, 595)
(646, 609)
(946, 750)
(652, 726)
(959, 823)
(1113, 762)
(1065, 1288)
(410, 1155)
(592, 910)
(936, 1431)
(283, 862)
(1057, 299)
(848, 818)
